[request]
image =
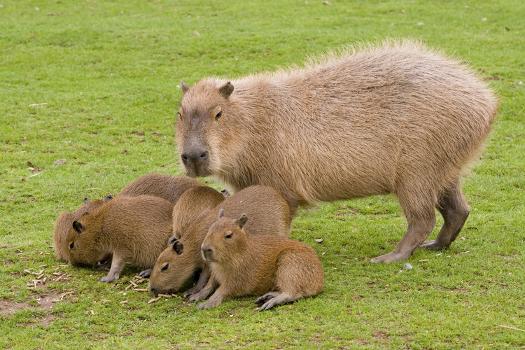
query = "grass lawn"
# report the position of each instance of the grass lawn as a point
(88, 91)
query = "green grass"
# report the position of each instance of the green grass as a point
(95, 83)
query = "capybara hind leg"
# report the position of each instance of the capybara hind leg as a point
(421, 220)
(279, 299)
(264, 298)
(455, 210)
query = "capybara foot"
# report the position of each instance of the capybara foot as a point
(198, 296)
(108, 278)
(145, 274)
(434, 245)
(390, 257)
(279, 299)
(264, 298)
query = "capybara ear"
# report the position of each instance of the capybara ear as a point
(178, 247)
(226, 90)
(184, 87)
(77, 226)
(221, 213)
(108, 197)
(242, 220)
(86, 199)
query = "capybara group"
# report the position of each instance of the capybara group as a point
(179, 262)
(278, 269)
(394, 118)
(130, 230)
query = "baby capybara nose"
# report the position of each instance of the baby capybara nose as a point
(207, 252)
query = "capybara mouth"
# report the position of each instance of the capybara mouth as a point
(197, 170)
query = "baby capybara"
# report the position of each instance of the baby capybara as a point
(395, 118)
(178, 263)
(132, 230)
(278, 269)
(164, 186)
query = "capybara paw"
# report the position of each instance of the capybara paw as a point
(264, 298)
(208, 304)
(389, 258)
(145, 274)
(196, 297)
(108, 279)
(434, 245)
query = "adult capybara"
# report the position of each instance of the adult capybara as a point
(396, 118)
(278, 269)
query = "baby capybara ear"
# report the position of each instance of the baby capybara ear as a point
(178, 247)
(86, 200)
(184, 87)
(226, 90)
(221, 213)
(77, 226)
(242, 220)
(108, 197)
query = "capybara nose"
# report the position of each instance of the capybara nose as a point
(194, 156)
(207, 252)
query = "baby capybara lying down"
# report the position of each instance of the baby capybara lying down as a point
(278, 269)
(180, 261)
(167, 187)
(132, 230)
(394, 118)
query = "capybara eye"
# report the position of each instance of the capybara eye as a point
(71, 245)
(228, 234)
(164, 267)
(218, 115)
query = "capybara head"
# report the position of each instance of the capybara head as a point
(204, 109)
(84, 240)
(225, 238)
(64, 223)
(175, 268)
(191, 205)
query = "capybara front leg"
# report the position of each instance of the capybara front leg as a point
(215, 300)
(421, 217)
(117, 265)
(204, 292)
(201, 283)
(279, 299)
(455, 210)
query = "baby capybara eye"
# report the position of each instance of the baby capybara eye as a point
(228, 234)
(164, 267)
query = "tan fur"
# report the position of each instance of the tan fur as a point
(243, 264)
(133, 230)
(164, 186)
(395, 118)
(191, 205)
(269, 214)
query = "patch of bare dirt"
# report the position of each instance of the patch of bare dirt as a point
(10, 307)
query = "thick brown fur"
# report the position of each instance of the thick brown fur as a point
(63, 224)
(269, 214)
(394, 118)
(164, 186)
(278, 269)
(132, 230)
(191, 205)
